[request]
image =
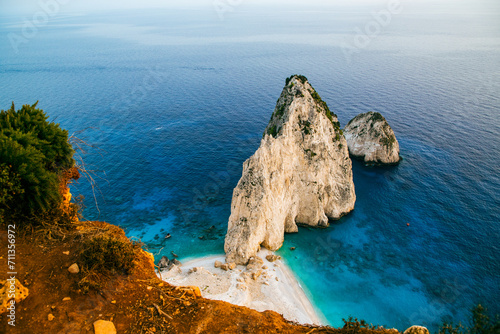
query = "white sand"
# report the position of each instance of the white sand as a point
(283, 295)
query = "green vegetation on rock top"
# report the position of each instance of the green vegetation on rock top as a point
(301, 78)
(376, 117)
(328, 113)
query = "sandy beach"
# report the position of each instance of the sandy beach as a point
(272, 287)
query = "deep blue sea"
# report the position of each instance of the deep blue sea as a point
(176, 100)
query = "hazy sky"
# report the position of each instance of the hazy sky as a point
(27, 7)
(30, 6)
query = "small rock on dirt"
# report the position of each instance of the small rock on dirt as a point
(74, 269)
(104, 327)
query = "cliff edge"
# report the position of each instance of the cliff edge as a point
(301, 174)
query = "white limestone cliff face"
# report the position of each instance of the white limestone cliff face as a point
(301, 174)
(369, 137)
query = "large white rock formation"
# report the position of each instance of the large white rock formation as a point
(301, 174)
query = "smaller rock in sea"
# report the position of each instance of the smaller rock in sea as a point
(370, 137)
(176, 262)
(173, 254)
(74, 269)
(292, 248)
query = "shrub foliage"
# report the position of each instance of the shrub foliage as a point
(479, 323)
(33, 154)
(104, 253)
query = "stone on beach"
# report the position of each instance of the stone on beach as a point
(163, 263)
(272, 257)
(167, 265)
(254, 263)
(256, 274)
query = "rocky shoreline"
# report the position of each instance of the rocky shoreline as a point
(265, 283)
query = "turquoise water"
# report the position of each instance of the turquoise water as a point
(177, 100)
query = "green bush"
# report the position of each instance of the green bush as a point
(480, 323)
(354, 325)
(33, 154)
(100, 258)
(106, 254)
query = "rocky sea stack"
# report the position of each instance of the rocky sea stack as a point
(370, 138)
(301, 174)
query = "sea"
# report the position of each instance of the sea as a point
(168, 103)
